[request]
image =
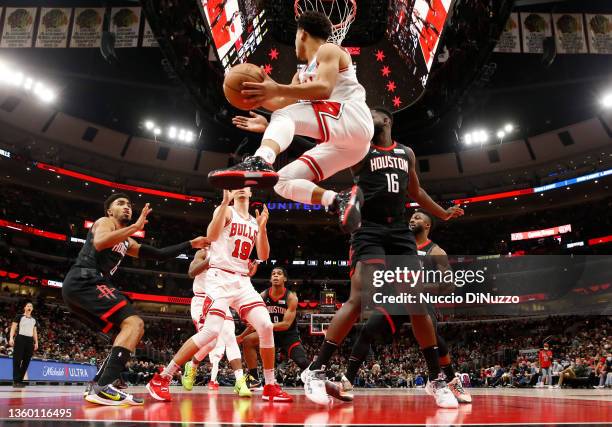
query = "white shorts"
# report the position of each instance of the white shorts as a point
(344, 130)
(226, 289)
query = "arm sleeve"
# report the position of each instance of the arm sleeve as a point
(162, 254)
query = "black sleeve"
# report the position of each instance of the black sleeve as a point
(162, 254)
(17, 319)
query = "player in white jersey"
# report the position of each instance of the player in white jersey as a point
(233, 233)
(324, 101)
(226, 343)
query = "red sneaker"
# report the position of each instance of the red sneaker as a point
(213, 385)
(274, 393)
(159, 388)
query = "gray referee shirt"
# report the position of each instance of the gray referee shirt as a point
(25, 325)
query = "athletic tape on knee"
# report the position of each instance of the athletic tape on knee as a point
(211, 330)
(281, 129)
(259, 318)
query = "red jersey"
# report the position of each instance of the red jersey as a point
(545, 357)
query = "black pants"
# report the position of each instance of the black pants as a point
(24, 349)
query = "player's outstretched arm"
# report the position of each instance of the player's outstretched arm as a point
(328, 57)
(199, 264)
(220, 218)
(138, 250)
(420, 196)
(105, 234)
(261, 243)
(289, 317)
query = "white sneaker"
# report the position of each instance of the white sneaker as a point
(314, 385)
(459, 392)
(440, 391)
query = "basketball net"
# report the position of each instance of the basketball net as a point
(341, 13)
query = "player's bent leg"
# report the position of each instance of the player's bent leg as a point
(454, 382)
(425, 334)
(103, 392)
(259, 317)
(257, 170)
(345, 317)
(250, 344)
(159, 386)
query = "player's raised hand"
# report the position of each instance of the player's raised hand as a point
(227, 198)
(200, 242)
(256, 123)
(262, 219)
(142, 219)
(454, 212)
(259, 92)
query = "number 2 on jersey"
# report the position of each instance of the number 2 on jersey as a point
(242, 249)
(392, 183)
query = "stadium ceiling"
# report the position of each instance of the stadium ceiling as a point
(180, 81)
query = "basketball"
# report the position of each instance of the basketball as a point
(232, 85)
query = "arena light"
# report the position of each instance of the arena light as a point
(606, 100)
(172, 132)
(509, 127)
(501, 134)
(11, 76)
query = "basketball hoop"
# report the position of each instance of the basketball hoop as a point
(341, 13)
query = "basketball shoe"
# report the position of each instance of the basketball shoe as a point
(159, 388)
(274, 393)
(347, 205)
(189, 376)
(110, 396)
(440, 391)
(314, 385)
(251, 172)
(459, 392)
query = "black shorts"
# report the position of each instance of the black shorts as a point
(94, 299)
(287, 341)
(373, 242)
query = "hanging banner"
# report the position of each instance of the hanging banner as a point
(87, 27)
(125, 23)
(148, 38)
(535, 27)
(599, 29)
(18, 27)
(509, 41)
(569, 33)
(53, 27)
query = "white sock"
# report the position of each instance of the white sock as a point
(269, 376)
(214, 371)
(170, 370)
(328, 197)
(238, 374)
(266, 153)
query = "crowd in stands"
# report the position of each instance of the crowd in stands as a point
(497, 353)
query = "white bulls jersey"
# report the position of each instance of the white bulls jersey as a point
(347, 88)
(232, 249)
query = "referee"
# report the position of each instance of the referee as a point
(24, 339)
